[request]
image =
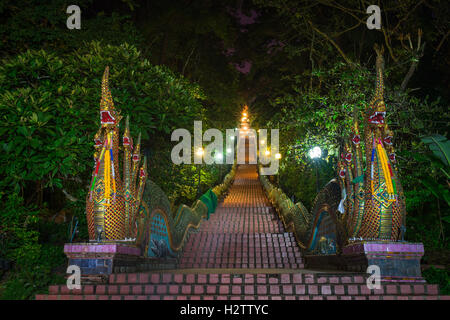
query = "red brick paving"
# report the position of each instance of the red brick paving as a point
(241, 286)
(243, 232)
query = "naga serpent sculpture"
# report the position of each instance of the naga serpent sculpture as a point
(134, 208)
(360, 204)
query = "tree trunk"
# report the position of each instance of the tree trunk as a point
(163, 49)
(409, 75)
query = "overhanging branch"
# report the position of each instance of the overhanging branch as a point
(333, 43)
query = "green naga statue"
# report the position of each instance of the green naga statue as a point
(366, 201)
(131, 207)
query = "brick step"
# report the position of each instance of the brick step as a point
(241, 250)
(287, 235)
(242, 265)
(208, 277)
(236, 297)
(288, 252)
(248, 289)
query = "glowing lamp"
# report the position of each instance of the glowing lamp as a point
(315, 152)
(200, 152)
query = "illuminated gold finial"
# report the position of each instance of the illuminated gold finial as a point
(137, 150)
(127, 140)
(376, 112)
(136, 157)
(379, 66)
(108, 116)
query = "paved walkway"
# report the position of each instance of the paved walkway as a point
(244, 232)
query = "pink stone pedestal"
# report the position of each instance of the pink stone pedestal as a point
(398, 261)
(98, 260)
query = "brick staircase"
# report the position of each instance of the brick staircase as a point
(243, 232)
(242, 253)
(243, 286)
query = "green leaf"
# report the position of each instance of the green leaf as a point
(445, 194)
(438, 190)
(440, 146)
(23, 131)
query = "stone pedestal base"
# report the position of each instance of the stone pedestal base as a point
(98, 260)
(398, 261)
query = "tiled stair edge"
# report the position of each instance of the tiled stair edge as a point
(236, 297)
(248, 289)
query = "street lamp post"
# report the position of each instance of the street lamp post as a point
(315, 154)
(278, 157)
(317, 175)
(219, 161)
(200, 152)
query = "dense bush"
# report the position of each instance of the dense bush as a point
(440, 277)
(42, 25)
